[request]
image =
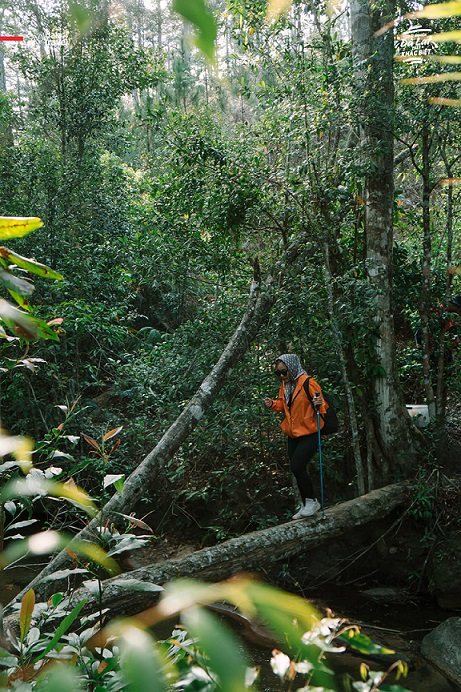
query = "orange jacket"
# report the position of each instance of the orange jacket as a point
(300, 418)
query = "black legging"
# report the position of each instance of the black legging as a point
(300, 452)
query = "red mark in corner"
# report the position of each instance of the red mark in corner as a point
(11, 38)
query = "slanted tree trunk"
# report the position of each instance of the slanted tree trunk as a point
(262, 297)
(373, 70)
(250, 551)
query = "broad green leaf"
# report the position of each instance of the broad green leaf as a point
(363, 644)
(62, 629)
(197, 12)
(125, 584)
(7, 660)
(34, 485)
(61, 678)
(25, 615)
(31, 265)
(83, 17)
(18, 226)
(23, 325)
(113, 479)
(19, 447)
(227, 657)
(37, 544)
(141, 663)
(56, 599)
(64, 573)
(20, 300)
(15, 284)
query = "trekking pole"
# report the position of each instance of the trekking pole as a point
(320, 459)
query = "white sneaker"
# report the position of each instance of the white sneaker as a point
(298, 514)
(308, 509)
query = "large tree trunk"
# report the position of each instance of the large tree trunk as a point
(261, 299)
(250, 551)
(373, 68)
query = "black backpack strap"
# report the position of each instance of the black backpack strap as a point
(306, 389)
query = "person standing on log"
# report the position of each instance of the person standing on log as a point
(299, 424)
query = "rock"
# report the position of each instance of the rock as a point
(445, 573)
(441, 648)
(387, 595)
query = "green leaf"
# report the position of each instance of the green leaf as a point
(25, 615)
(196, 12)
(141, 664)
(61, 678)
(31, 265)
(226, 655)
(18, 226)
(363, 644)
(64, 573)
(15, 284)
(446, 9)
(62, 629)
(114, 479)
(23, 325)
(39, 486)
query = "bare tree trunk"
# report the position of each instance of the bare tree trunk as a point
(250, 551)
(343, 366)
(373, 71)
(260, 302)
(440, 397)
(426, 265)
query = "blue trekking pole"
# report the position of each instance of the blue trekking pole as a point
(320, 459)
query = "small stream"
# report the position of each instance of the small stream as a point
(400, 626)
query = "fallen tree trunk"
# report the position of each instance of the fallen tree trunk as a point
(261, 299)
(250, 551)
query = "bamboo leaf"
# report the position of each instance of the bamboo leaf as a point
(18, 226)
(31, 265)
(25, 615)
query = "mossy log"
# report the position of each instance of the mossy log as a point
(251, 551)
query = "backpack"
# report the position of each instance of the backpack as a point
(330, 419)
